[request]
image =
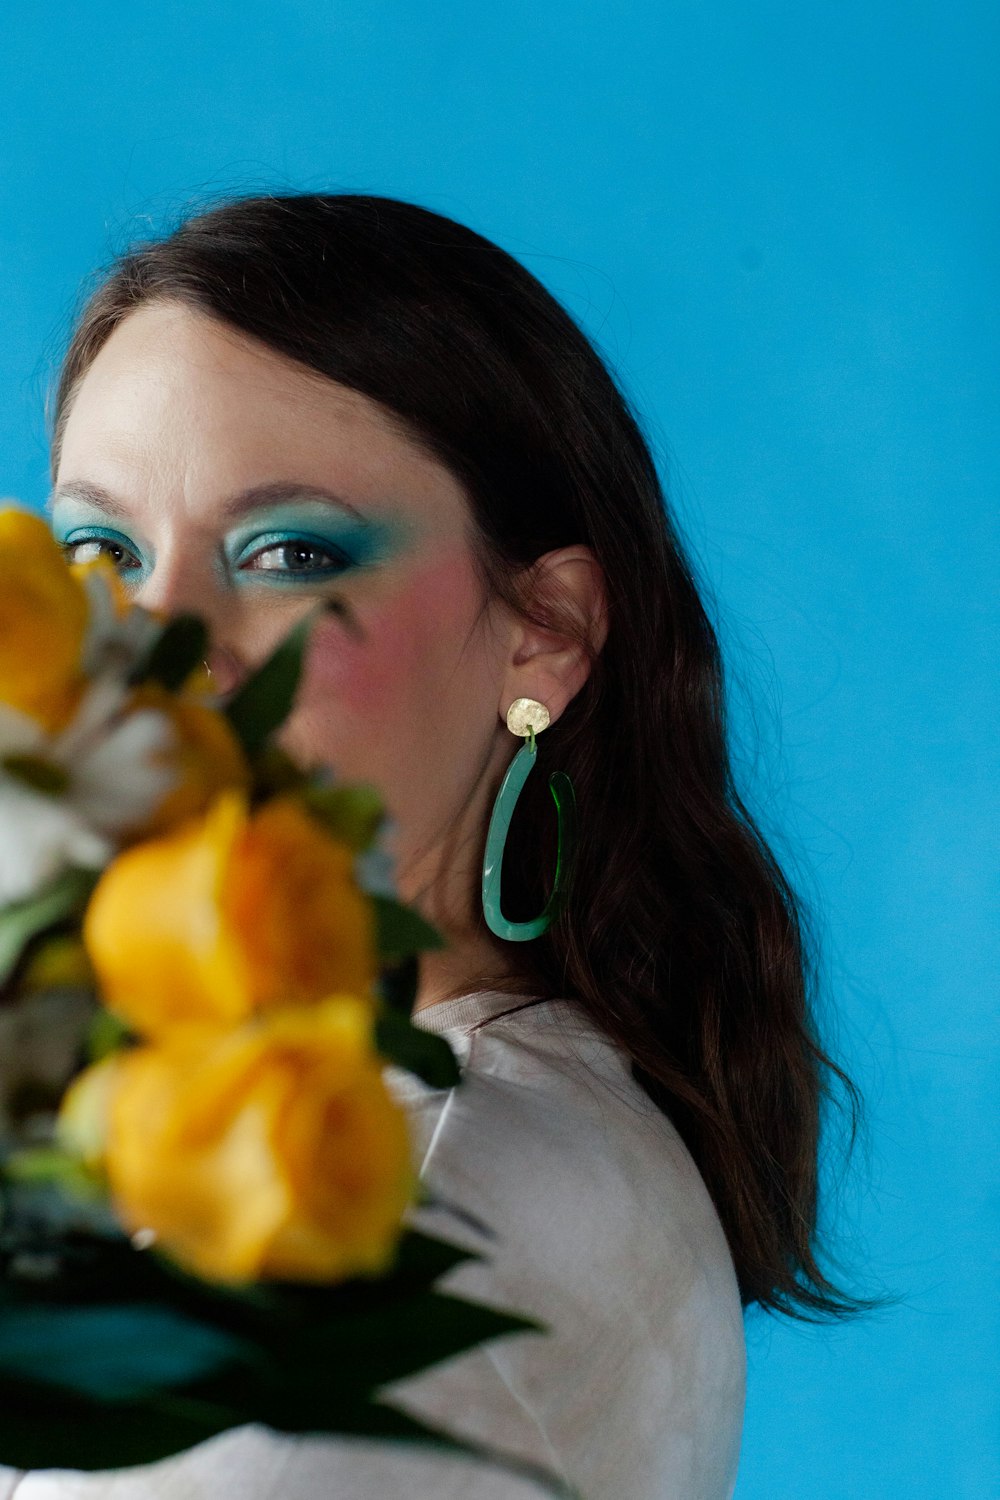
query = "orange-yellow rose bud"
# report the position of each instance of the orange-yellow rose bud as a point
(274, 1149)
(84, 1111)
(43, 622)
(229, 914)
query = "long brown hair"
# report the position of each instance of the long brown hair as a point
(683, 939)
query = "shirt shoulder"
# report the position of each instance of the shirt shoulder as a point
(549, 1126)
(596, 1222)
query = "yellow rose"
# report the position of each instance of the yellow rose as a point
(206, 755)
(274, 1149)
(43, 622)
(228, 914)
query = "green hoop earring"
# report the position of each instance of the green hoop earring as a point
(524, 716)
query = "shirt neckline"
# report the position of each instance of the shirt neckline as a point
(466, 1011)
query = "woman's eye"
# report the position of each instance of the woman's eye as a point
(89, 548)
(297, 557)
(300, 557)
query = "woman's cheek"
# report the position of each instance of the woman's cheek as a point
(364, 697)
(360, 675)
(403, 641)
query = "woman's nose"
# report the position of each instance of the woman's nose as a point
(224, 669)
(176, 588)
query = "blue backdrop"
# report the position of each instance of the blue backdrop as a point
(779, 223)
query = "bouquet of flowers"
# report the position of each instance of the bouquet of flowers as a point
(204, 970)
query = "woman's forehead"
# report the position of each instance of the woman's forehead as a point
(174, 394)
(164, 358)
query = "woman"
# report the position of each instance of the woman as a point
(291, 394)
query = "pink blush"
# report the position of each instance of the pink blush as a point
(412, 636)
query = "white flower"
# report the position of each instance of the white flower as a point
(39, 837)
(110, 779)
(114, 644)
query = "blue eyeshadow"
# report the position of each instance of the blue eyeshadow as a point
(349, 542)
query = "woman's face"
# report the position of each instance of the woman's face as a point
(230, 482)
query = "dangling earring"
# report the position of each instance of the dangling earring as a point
(526, 716)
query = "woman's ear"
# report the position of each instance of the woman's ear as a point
(551, 664)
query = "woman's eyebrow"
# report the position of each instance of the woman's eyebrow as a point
(275, 493)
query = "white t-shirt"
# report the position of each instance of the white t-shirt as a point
(604, 1231)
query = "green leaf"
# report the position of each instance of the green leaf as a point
(390, 1342)
(115, 1353)
(107, 1033)
(424, 1053)
(330, 1412)
(50, 1164)
(43, 1427)
(422, 1259)
(318, 1389)
(174, 654)
(400, 931)
(265, 699)
(63, 898)
(176, 1360)
(398, 985)
(353, 814)
(274, 773)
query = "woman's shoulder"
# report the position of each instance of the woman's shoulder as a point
(597, 1223)
(549, 1123)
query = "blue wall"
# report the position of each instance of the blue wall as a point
(779, 222)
